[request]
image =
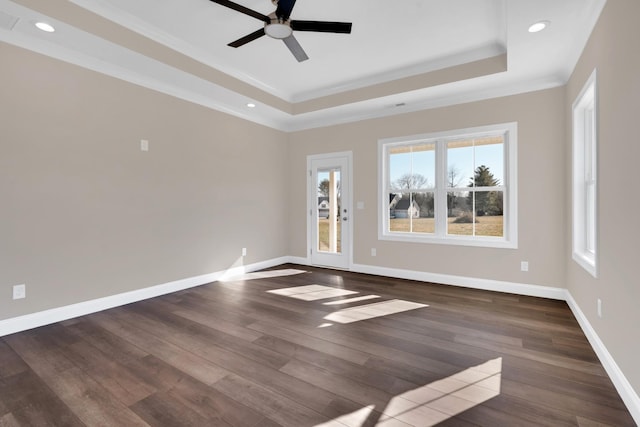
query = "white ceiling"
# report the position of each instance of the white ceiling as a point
(348, 76)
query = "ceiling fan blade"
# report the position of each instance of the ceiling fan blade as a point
(242, 9)
(248, 38)
(322, 26)
(295, 48)
(284, 9)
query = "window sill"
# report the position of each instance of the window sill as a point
(587, 262)
(486, 242)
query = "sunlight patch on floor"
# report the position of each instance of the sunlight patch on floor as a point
(351, 314)
(446, 398)
(350, 300)
(435, 402)
(369, 311)
(354, 419)
(311, 292)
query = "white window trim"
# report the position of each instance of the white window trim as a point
(510, 185)
(587, 99)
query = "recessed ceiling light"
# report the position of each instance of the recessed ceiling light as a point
(45, 27)
(539, 26)
(251, 105)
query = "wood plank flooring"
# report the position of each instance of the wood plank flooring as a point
(252, 352)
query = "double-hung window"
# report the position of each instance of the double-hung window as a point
(585, 177)
(456, 187)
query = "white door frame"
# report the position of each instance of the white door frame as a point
(346, 200)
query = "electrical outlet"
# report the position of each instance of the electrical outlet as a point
(19, 291)
(244, 251)
(144, 145)
(374, 252)
(524, 266)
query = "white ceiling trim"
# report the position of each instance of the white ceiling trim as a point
(86, 50)
(107, 58)
(193, 89)
(437, 97)
(154, 33)
(477, 54)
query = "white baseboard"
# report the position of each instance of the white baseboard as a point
(467, 282)
(626, 391)
(447, 279)
(46, 317)
(299, 260)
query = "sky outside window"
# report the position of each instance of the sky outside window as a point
(460, 154)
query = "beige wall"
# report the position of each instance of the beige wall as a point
(85, 214)
(541, 159)
(613, 50)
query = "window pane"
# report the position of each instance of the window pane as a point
(424, 221)
(590, 222)
(424, 166)
(399, 166)
(489, 152)
(399, 219)
(460, 164)
(457, 203)
(329, 226)
(589, 146)
(461, 218)
(487, 203)
(478, 159)
(406, 207)
(412, 212)
(478, 213)
(489, 213)
(393, 224)
(412, 167)
(488, 209)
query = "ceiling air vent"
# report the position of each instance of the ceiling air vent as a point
(7, 22)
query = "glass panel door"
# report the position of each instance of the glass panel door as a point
(330, 210)
(329, 220)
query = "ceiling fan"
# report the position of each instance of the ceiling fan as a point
(278, 26)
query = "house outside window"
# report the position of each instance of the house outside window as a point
(456, 187)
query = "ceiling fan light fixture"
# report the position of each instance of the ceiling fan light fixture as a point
(278, 30)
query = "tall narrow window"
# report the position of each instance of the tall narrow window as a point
(585, 177)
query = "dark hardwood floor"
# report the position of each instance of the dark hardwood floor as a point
(253, 352)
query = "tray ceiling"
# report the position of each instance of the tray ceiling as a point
(422, 54)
